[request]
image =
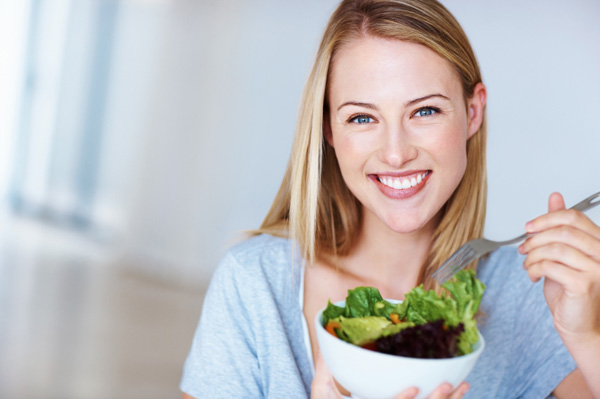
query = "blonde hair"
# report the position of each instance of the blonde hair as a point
(313, 206)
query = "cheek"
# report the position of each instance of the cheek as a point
(352, 151)
(453, 156)
(449, 150)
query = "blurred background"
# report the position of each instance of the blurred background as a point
(139, 138)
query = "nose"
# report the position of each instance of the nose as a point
(397, 147)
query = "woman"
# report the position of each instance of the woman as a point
(387, 179)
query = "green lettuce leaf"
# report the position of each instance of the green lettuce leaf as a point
(361, 302)
(366, 315)
(420, 306)
(466, 291)
(331, 312)
(361, 330)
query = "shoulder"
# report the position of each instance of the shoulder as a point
(257, 255)
(262, 262)
(260, 249)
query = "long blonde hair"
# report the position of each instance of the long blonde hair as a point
(313, 206)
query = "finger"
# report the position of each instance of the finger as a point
(323, 386)
(566, 217)
(441, 392)
(566, 276)
(566, 235)
(410, 393)
(560, 253)
(556, 202)
(460, 391)
(581, 284)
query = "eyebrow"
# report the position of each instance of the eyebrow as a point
(408, 104)
(418, 100)
(358, 104)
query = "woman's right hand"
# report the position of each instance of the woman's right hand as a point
(325, 387)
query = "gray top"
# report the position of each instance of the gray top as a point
(251, 340)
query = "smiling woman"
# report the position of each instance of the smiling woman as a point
(410, 143)
(386, 179)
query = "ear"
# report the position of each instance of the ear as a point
(327, 126)
(475, 108)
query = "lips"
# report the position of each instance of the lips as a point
(401, 185)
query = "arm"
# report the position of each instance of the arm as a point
(222, 361)
(573, 387)
(565, 251)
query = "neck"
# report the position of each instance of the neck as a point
(389, 260)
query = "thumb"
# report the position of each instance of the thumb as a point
(556, 202)
(323, 386)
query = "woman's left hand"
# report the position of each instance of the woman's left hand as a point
(565, 250)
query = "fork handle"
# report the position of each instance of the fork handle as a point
(582, 206)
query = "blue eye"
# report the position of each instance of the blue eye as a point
(361, 119)
(427, 111)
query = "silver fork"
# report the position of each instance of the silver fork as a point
(475, 249)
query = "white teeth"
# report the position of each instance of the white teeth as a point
(401, 184)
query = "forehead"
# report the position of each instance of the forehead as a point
(371, 66)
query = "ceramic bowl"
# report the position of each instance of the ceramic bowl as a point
(372, 375)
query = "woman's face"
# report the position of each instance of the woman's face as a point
(399, 126)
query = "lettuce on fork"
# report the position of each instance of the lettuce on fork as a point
(367, 317)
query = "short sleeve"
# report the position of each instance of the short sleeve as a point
(222, 362)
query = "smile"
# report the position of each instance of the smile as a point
(403, 183)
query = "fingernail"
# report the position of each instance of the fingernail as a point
(521, 249)
(529, 226)
(446, 389)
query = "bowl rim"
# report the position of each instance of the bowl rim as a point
(480, 344)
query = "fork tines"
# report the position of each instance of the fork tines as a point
(455, 263)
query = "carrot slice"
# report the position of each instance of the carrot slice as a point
(395, 318)
(331, 326)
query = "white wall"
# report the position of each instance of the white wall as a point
(203, 98)
(541, 63)
(221, 81)
(202, 109)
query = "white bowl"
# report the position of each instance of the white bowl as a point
(372, 375)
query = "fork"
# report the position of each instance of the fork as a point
(477, 248)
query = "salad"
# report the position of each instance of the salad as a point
(424, 325)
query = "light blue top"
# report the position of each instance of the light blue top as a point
(251, 340)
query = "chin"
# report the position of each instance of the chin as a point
(406, 226)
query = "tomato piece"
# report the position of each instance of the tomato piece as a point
(370, 346)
